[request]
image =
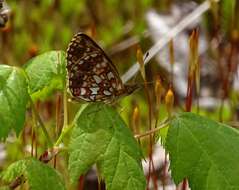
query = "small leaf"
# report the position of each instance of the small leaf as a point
(13, 100)
(100, 136)
(46, 73)
(203, 151)
(39, 176)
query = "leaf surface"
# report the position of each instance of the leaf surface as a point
(101, 137)
(13, 99)
(39, 176)
(46, 73)
(203, 151)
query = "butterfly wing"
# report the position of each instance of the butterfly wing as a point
(92, 76)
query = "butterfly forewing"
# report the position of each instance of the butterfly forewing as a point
(91, 74)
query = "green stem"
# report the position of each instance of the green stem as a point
(65, 121)
(66, 127)
(50, 143)
(64, 131)
(152, 131)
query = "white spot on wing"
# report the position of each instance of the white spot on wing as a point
(97, 79)
(69, 62)
(98, 65)
(104, 62)
(113, 85)
(94, 90)
(106, 92)
(87, 57)
(93, 55)
(92, 97)
(82, 91)
(102, 76)
(110, 75)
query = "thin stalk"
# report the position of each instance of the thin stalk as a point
(50, 143)
(65, 121)
(34, 125)
(153, 131)
(65, 128)
(58, 122)
(32, 143)
(150, 135)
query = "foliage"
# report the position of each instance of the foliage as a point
(13, 100)
(34, 97)
(118, 155)
(203, 151)
(46, 73)
(101, 137)
(38, 175)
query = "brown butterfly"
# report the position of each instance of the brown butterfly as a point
(91, 74)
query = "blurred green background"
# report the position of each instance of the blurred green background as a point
(40, 25)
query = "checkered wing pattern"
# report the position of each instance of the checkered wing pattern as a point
(91, 74)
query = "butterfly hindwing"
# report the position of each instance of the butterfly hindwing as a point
(92, 76)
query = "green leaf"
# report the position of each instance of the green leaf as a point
(163, 134)
(46, 73)
(229, 16)
(203, 151)
(13, 99)
(39, 176)
(100, 136)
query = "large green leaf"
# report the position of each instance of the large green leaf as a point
(100, 136)
(39, 176)
(13, 99)
(203, 151)
(46, 73)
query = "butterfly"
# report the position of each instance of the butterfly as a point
(92, 76)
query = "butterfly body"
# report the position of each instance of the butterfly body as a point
(92, 76)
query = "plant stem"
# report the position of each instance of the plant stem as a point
(50, 143)
(152, 131)
(65, 128)
(65, 121)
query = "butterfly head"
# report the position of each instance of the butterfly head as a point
(131, 88)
